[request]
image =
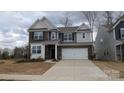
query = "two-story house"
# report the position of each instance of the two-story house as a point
(50, 42)
(110, 42)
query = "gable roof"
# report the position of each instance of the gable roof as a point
(43, 23)
(68, 29)
(83, 27)
(118, 21)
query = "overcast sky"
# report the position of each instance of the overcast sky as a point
(14, 25)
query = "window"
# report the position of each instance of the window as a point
(36, 49)
(53, 35)
(83, 35)
(122, 33)
(68, 37)
(38, 35)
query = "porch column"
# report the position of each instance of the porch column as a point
(56, 51)
(121, 51)
(43, 51)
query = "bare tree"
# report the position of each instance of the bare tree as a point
(118, 14)
(21, 52)
(66, 19)
(5, 55)
(111, 16)
(91, 17)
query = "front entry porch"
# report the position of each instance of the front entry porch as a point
(51, 52)
(120, 52)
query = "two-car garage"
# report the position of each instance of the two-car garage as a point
(74, 53)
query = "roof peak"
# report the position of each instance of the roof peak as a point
(118, 20)
(44, 18)
(83, 26)
(43, 23)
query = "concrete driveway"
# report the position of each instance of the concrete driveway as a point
(74, 70)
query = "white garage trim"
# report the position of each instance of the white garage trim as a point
(74, 53)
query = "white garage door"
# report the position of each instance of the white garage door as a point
(74, 53)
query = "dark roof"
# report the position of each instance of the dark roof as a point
(122, 17)
(68, 29)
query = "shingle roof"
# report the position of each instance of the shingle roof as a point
(68, 29)
(122, 17)
(45, 24)
(83, 27)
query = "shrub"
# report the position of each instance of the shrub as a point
(55, 60)
(5, 55)
(29, 60)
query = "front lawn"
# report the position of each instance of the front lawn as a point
(27, 68)
(112, 68)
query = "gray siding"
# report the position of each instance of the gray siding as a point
(105, 50)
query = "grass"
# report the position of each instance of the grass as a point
(109, 65)
(26, 68)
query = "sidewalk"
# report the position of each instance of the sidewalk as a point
(20, 77)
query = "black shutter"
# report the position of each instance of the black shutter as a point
(117, 33)
(32, 35)
(62, 35)
(73, 36)
(44, 35)
(49, 36)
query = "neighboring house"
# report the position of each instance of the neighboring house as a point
(109, 43)
(50, 42)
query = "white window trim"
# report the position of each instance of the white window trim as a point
(36, 49)
(67, 38)
(38, 36)
(122, 32)
(53, 34)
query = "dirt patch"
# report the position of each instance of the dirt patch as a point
(28, 68)
(113, 69)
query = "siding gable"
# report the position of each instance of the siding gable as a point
(43, 23)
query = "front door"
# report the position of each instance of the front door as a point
(52, 51)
